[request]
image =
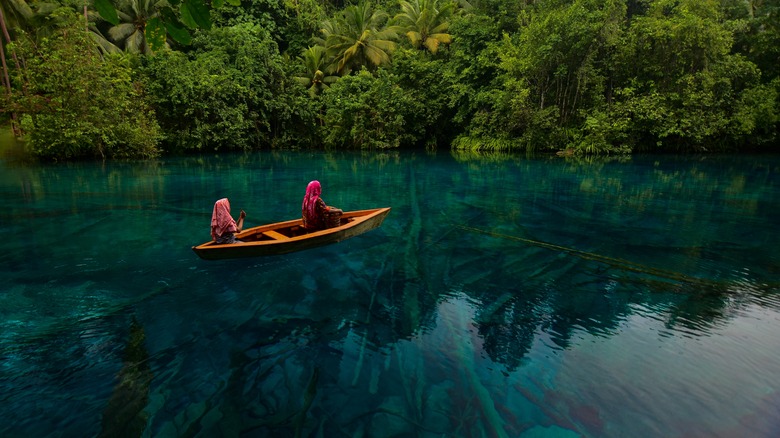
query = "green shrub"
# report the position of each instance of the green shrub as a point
(77, 103)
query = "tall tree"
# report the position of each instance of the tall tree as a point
(425, 23)
(48, 17)
(682, 87)
(472, 70)
(560, 53)
(134, 16)
(369, 111)
(553, 68)
(230, 91)
(759, 39)
(152, 22)
(314, 79)
(79, 103)
(13, 14)
(358, 37)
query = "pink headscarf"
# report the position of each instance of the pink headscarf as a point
(309, 207)
(221, 221)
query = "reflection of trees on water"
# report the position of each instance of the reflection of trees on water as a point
(559, 295)
(349, 362)
(269, 390)
(524, 292)
(318, 373)
(124, 416)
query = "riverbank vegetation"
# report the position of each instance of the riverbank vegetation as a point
(134, 78)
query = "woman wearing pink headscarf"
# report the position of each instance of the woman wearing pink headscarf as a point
(316, 214)
(223, 226)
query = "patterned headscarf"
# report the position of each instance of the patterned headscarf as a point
(221, 221)
(309, 207)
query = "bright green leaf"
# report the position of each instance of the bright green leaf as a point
(176, 29)
(106, 10)
(234, 2)
(198, 12)
(178, 33)
(186, 17)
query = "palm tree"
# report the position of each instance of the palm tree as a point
(15, 13)
(424, 23)
(102, 43)
(42, 20)
(358, 38)
(45, 21)
(315, 60)
(134, 16)
(327, 28)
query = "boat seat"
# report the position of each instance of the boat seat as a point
(274, 235)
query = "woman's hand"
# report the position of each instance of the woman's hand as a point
(240, 224)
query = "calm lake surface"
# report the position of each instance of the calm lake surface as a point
(504, 296)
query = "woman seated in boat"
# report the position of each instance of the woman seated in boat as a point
(316, 214)
(223, 227)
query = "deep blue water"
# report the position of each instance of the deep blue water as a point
(504, 296)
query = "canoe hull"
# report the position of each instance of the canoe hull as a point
(289, 236)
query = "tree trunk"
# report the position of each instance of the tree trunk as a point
(6, 78)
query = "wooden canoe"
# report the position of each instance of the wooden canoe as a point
(290, 236)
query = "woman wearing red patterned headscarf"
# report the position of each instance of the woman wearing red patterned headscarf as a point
(223, 227)
(316, 214)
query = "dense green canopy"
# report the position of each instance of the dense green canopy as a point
(567, 76)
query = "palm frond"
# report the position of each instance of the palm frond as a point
(136, 43)
(376, 56)
(443, 38)
(432, 44)
(102, 43)
(22, 8)
(122, 31)
(414, 38)
(357, 35)
(306, 82)
(421, 20)
(124, 16)
(385, 45)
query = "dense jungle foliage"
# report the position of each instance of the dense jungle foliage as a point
(138, 78)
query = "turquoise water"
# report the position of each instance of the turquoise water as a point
(502, 296)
